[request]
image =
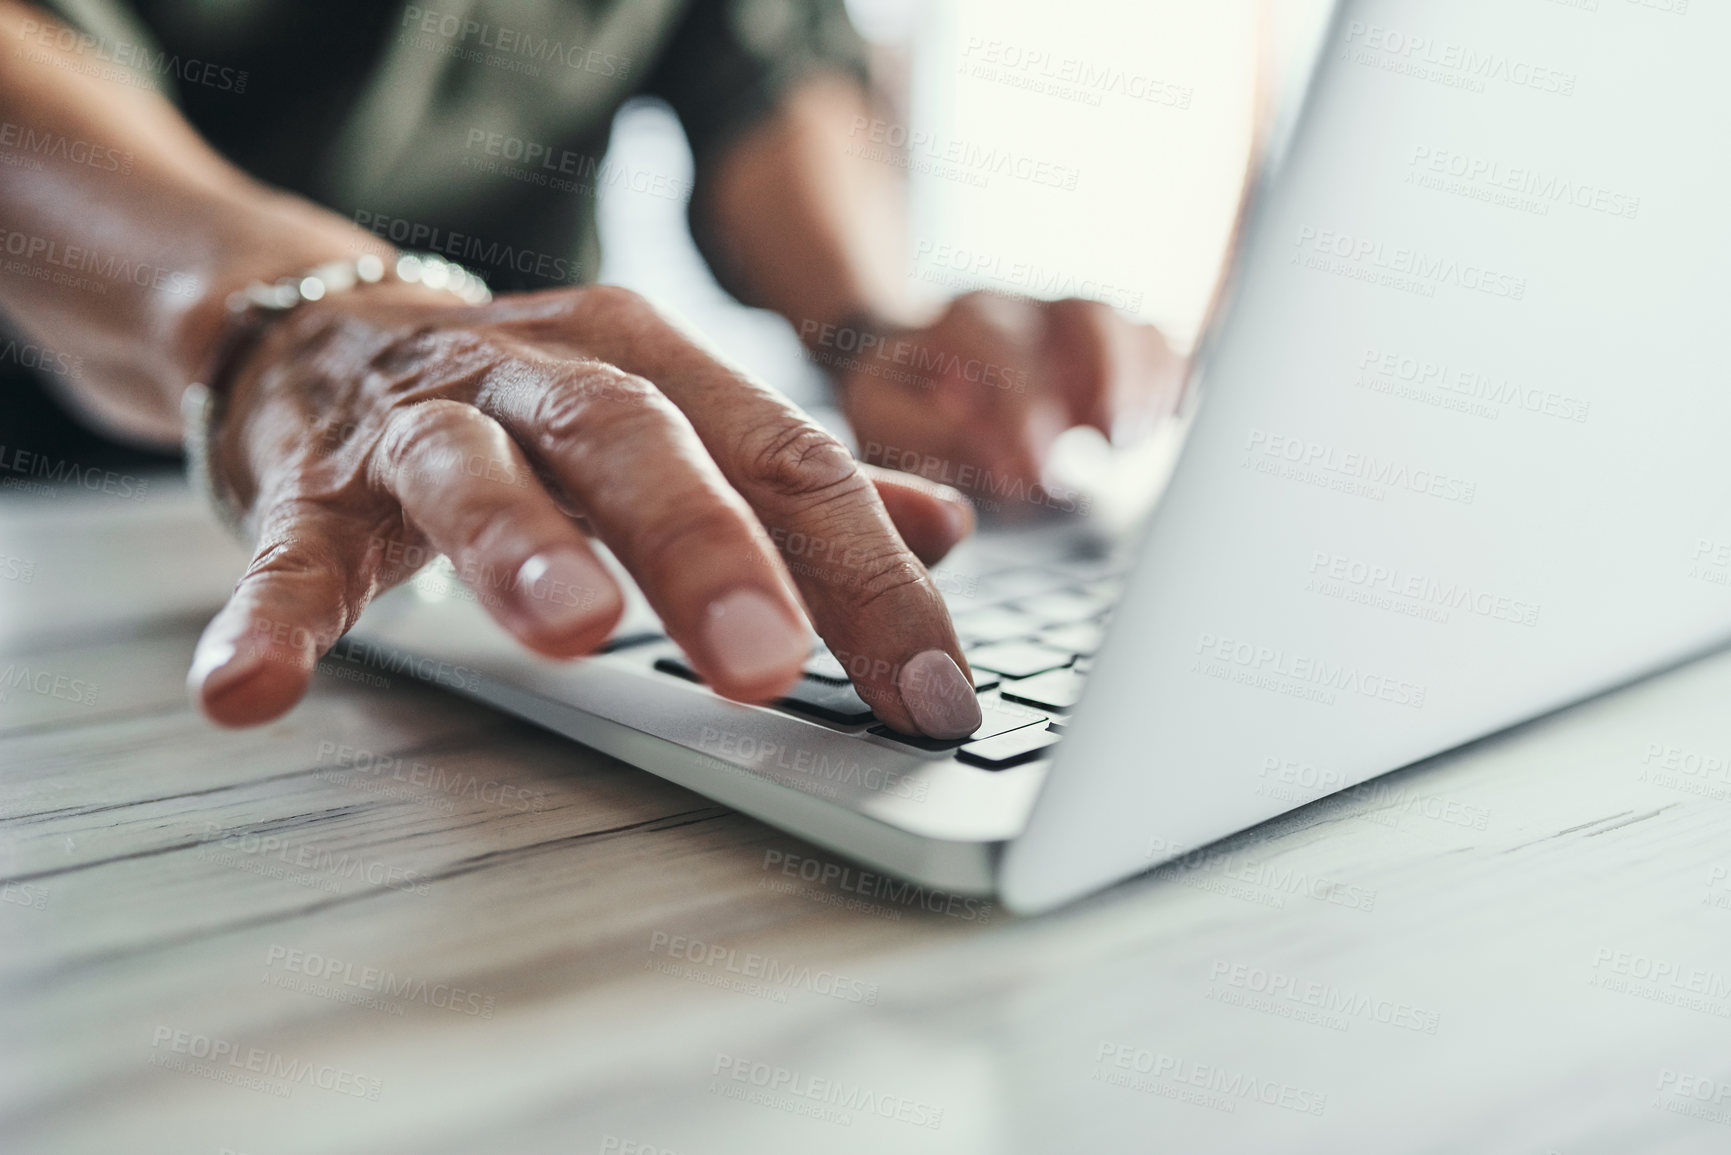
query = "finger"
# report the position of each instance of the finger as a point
(932, 519)
(621, 451)
(1115, 375)
(465, 485)
(872, 600)
(983, 451)
(1013, 417)
(309, 580)
(1085, 356)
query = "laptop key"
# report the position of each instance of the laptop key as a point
(1020, 582)
(1002, 717)
(678, 667)
(822, 700)
(1008, 749)
(995, 718)
(983, 679)
(1018, 659)
(825, 667)
(808, 696)
(917, 741)
(994, 624)
(1052, 690)
(631, 640)
(1077, 637)
(1067, 605)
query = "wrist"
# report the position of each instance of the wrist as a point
(267, 313)
(270, 237)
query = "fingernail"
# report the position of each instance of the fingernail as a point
(218, 666)
(939, 696)
(564, 589)
(751, 637)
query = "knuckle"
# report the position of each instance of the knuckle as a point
(609, 299)
(425, 427)
(429, 349)
(794, 458)
(562, 414)
(464, 460)
(889, 575)
(595, 401)
(434, 441)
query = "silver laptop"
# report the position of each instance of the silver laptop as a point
(1457, 460)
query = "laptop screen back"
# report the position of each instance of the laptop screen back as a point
(1459, 458)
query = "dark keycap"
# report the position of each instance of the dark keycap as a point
(917, 741)
(996, 718)
(826, 701)
(808, 696)
(627, 641)
(1008, 749)
(1052, 690)
(1018, 659)
(678, 667)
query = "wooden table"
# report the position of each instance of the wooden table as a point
(399, 922)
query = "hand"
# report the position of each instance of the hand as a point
(977, 398)
(378, 427)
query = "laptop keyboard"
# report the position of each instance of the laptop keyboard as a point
(1028, 631)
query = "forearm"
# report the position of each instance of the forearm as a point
(122, 233)
(792, 221)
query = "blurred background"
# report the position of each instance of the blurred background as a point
(1146, 108)
(1093, 148)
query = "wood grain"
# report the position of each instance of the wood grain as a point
(489, 914)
